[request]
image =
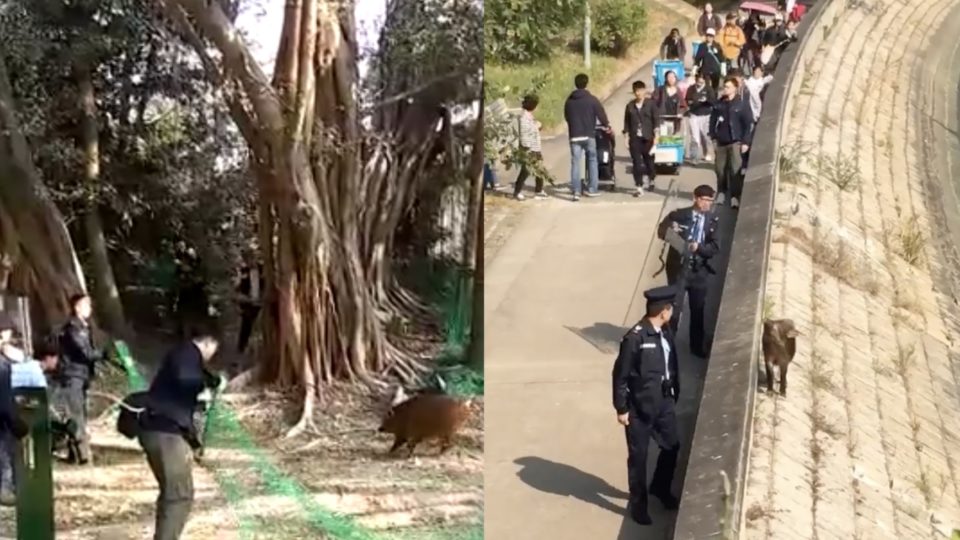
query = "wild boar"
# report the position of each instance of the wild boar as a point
(779, 346)
(413, 419)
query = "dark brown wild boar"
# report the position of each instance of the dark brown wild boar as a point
(779, 346)
(424, 416)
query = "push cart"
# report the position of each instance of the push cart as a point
(670, 144)
(606, 158)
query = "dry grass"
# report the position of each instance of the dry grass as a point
(910, 241)
(904, 360)
(790, 160)
(841, 261)
(769, 304)
(840, 171)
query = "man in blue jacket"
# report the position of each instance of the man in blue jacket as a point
(167, 430)
(731, 129)
(584, 113)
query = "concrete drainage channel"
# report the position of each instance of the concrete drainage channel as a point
(712, 502)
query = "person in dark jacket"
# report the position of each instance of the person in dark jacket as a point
(710, 58)
(167, 430)
(641, 124)
(698, 227)
(700, 100)
(11, 427)
(673, 46)
(708, 20)
(584, 115)
(731, 129)
(646, 386)
(250, 290)
(80, 358)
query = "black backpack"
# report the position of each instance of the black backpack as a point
(132, 408)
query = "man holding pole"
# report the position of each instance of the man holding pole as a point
(694, 237)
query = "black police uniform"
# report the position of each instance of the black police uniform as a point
(78, 367)
(695, 276)
(646, 385)
(168, 433)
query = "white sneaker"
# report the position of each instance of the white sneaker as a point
(519, 197)
(541, 195)
(734, 202)
(720, 199)
(592, 194)
(576, 197)
(708, 159)
(639, 192)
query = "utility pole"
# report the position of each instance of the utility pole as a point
(586, 34)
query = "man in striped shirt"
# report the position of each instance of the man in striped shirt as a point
(529, 129)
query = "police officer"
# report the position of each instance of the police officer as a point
(167, 429)
(80, 358)
(698, 227)
(646, 384)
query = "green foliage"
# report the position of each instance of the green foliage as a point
(617, 24)
(517, 31)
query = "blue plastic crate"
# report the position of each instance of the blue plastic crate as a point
(661, 67)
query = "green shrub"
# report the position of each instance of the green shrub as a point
(518, 31)
(617, 24)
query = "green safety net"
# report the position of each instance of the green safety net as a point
(224, 430)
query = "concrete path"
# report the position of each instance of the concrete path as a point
(559, 295)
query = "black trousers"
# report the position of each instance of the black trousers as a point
(713, 79)
(524, 173)
(663, 430)
(248, 316)
(696, 293)
(168, 455)
(73, 392)
(643, 162)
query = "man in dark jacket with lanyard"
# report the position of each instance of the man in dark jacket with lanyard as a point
(167, 431)
(78, 368)
(690, 270)
(731, 128)
(646, 385)
(709, 58)
(641, 123)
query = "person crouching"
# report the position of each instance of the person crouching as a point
(167, 431)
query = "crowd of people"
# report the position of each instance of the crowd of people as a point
(722, 108)
(64, 365)
(715, 107)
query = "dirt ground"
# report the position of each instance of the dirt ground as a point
(255, 484)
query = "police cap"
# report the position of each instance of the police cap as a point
(659, 296)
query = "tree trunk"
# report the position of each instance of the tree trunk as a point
(105, 291)
(473, 245)
(331, 194)
(31, 226)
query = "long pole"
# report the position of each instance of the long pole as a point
(586, 34)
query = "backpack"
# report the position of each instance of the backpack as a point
(131, 409)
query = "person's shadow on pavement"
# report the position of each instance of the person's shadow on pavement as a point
(559, 479)
(604, 336)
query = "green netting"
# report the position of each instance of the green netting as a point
(224, 430)
(456, 302)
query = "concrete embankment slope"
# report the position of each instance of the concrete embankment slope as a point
(862, 257)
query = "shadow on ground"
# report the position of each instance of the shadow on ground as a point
(604, 336)
(567, 481)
